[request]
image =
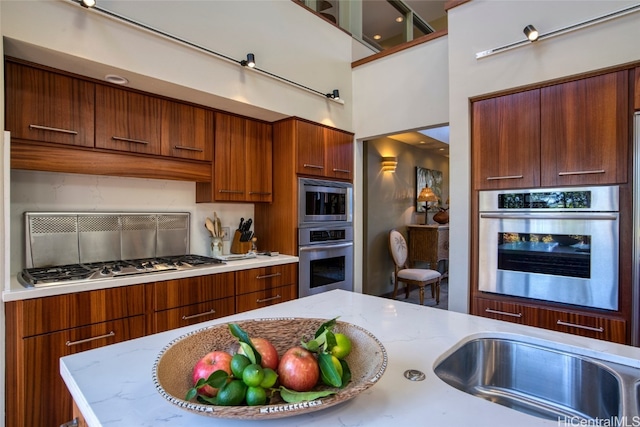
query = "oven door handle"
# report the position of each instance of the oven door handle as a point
(573, 216)
(324, 247)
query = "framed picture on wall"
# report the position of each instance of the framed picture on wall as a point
(431, 179)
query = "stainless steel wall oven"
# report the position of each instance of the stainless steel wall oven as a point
(557, 245)
(321, 201)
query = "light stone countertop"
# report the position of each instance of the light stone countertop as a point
(18, 292)
(113, 385)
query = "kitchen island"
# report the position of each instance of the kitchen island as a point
(113, 385)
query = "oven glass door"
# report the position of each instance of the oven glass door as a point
(325, 267)
(324, 204)
(570, 258)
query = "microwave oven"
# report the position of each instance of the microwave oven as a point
(322, 201)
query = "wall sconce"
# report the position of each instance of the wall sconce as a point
(531, 33)
(249, 62)
(389, 164)
(334, 95)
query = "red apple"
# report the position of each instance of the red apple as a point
(211, 362)
(298, 369)
(267, 351)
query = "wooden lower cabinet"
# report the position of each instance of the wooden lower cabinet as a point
(36, 393)
(266, 297)
(261, 287)
(604, 327)
(191, 314)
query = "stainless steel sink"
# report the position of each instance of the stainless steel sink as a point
(542, 381)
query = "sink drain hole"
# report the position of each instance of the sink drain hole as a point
(414, 375)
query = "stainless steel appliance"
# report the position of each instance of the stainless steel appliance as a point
(325, 259)
(557, 245)
(72, 247)
(321, 201)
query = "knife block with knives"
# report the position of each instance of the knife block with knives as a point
(239, 247)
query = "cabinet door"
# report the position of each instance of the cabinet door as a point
(48, 107)
(46, 399)
(259, 149)
(182, 292)
(598, 327)
(339, 154)
(127, 121)
(192, 314)
(585, 131)
(636, 98)
(506, 141)
(514, 313)
(230, 160)
(310, 146)
(265, 298)
(187, 131)
(259, 279)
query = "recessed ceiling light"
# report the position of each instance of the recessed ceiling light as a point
(400, 19)
(114, 78)
(442, 149)
(422, 142)
(377, 37)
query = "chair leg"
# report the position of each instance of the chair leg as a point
(395, 287)
(437, 292)
(406, 290)
(422, 295)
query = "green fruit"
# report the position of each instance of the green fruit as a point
(342, 347)
(238, 363)
(253, 375)
(256, 396)
(231, 394)
(270, 378)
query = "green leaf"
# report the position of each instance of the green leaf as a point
(330, 340)
(328, 370)
(291, 396)
(248, 351)
(312, 345)
(191, 394)
(217, 379)
(326, 325)
(346, 373)
(207, 400)
(243, 337)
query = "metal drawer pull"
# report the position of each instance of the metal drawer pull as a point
(580, 172)
(307, 165)
(70, 343)
(493, 178)
(231, 191)
(260, 193)
(137, 141)
(38, 127)
(573, 325)
(184, 147)
(564, 217)
(206, 313)
(269, 299)
(504, 313)
(342, 170)
(267, 276)
(72, 423)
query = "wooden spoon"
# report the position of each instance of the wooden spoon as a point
(209, 224)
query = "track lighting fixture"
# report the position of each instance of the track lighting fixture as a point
(88, 3)
(249, 62)
(334, 95)
(531, 33)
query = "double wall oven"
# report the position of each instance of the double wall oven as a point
(558, 245)
(325, 236)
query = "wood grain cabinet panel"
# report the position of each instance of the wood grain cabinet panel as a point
(509, 312)
(45, 106)
(636, 102)
(310, 148)
(339, 154)
(266, 297)
(187, 131)
(506, 141)
(585, 131)
(259, 279)
(127, 121)
(192, 314)
(259, 155)
(183, 292)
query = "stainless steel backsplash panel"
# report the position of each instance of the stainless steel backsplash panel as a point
(54, 238)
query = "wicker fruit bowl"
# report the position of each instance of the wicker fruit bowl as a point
(172, 370)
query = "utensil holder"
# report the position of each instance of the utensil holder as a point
(238, 247)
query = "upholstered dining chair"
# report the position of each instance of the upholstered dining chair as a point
(411, 276)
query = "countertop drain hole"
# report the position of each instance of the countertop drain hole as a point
(414, 375)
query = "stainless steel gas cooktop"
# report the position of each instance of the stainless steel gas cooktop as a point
(66, 274)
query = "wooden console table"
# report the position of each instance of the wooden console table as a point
(430, 244)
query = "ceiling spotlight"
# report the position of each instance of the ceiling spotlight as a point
(377, 37)
(334, 95)
(249, 62)
(531, 32)
(400, 19)
(88, 3)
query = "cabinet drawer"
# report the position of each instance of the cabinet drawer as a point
(604, 328)
(42, 315)
(258, 279)
(192, 314)
(265, 298)
(514, 313)
(181, 292)
(41, 366)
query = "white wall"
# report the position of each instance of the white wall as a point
(480, 25)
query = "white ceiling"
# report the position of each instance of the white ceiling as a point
(377, 19)
(433, 139)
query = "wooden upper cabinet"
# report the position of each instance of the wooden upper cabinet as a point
(310, 147)
(339, 154)
(48, 107)
(585, 131)
(230, 160)
(506, 141)
(636, 102)
(127, 121)
(187, 131)
(259, 151)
